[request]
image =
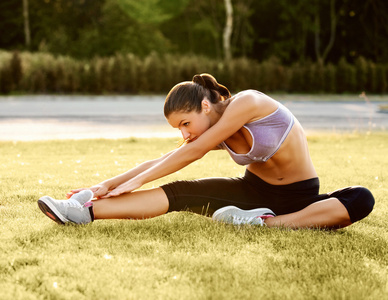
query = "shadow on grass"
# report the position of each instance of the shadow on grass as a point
(186, 231)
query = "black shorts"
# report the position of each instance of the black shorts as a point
(205, 196)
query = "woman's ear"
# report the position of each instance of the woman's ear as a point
(206, 106)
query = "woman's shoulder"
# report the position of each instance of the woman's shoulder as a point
(255, 102)
(253, 97)
(252, 94)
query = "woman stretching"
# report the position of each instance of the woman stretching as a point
(280, 187)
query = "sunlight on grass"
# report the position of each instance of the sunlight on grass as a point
(183, 255)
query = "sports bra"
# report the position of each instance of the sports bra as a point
(267, 133)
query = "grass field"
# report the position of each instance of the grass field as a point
(182, 255)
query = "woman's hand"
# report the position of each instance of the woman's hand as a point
(99, 190)
(123, 188)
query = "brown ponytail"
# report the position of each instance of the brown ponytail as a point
(209, 82)
(187, 96)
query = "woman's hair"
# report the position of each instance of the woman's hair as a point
(187, 96)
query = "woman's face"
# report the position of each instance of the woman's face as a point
(191, 124)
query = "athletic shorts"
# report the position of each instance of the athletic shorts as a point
(204, 196)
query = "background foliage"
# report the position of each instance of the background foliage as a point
(157, 73)
(131, 46)
(265, 28)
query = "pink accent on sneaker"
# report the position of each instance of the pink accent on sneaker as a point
(266, 217)
(50, 216)
(88, 204)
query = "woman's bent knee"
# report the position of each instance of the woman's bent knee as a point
(358, 200)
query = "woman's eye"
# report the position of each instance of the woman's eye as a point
(186, 124)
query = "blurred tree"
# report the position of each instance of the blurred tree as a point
(228, 28)
(11, 24)
(318, 30)
(198, 29)
(374, 21)
(243, 32)
(87, 28)
(67, 27)
(206, 27)
(26, 19)
(344, 28)
(153, 11)
(320, 54)
(284, 30)
(141, 32)
(120, 33)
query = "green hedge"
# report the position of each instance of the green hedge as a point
(36, 73)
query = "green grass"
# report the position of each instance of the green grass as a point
(183, 255)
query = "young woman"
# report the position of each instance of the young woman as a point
(256, 131)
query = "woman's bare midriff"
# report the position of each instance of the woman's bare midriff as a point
(291, 163)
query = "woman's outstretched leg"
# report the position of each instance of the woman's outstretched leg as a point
(136, 205)
(80, 209)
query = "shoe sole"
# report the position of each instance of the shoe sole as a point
(263, 211)
(50, 211)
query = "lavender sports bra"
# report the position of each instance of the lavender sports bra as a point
(267, 133)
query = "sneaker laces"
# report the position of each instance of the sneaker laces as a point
(71, 203)
(245, 220)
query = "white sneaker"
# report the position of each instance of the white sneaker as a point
(73, 210)
(236, 216)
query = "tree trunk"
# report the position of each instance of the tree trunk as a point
(26, 18)
(317, 40)
(228, 30)
(333, 26)
(321, 57)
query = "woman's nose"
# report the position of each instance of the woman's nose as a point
(185, 134)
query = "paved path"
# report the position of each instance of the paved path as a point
(75, 117)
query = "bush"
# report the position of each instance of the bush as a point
(16, 70)
(382, 75)
(329, 79)
(5, 80)
(10, 72)
(156, 74)
(362, 73)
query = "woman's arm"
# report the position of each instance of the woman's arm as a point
(238, 113)
(117, 180)
(102, 188)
